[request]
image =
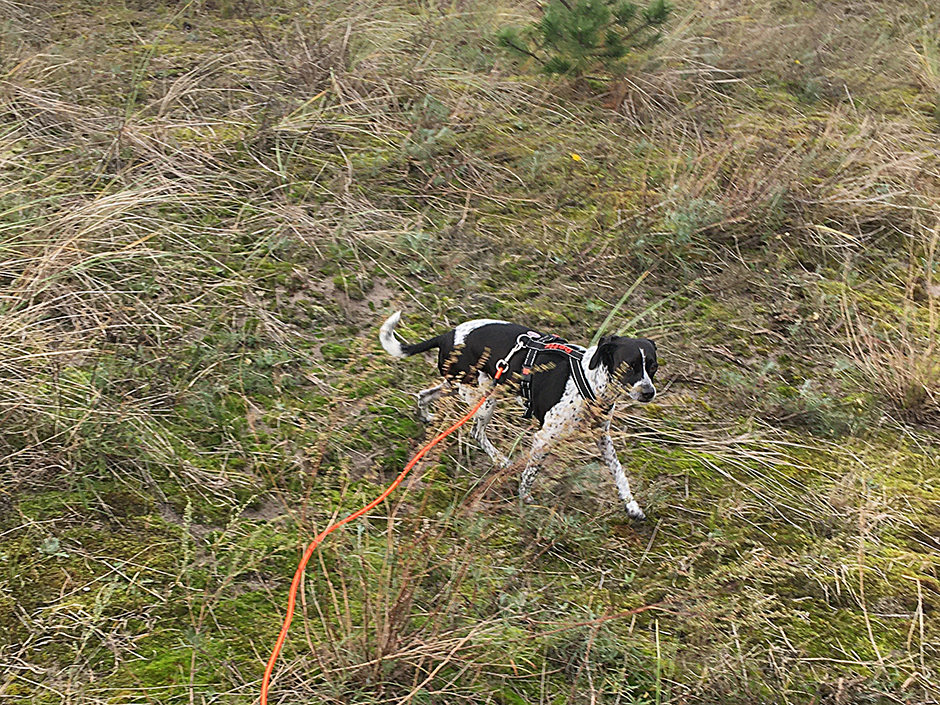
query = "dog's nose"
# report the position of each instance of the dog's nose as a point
(647, 396)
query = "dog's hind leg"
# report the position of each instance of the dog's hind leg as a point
(480, 422)
(606, 446)
(482, 419)
(426, 397)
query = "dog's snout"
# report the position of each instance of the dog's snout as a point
(643, 392)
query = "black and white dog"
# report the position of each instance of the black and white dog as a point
(470, 353)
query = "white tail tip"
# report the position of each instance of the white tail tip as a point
(387, 336)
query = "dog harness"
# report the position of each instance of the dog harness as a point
(533, 344)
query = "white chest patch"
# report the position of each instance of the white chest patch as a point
(562, 418)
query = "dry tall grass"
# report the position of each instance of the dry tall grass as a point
(207, 207)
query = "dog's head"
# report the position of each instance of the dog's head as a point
(632, 361)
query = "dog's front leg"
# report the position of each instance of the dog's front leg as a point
(540, 446)
(606, 446)
(559, 422)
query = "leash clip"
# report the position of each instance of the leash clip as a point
(503, 365)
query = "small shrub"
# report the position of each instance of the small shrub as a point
(685, 220)
(824, 414)
(584, 36)
(908, 375)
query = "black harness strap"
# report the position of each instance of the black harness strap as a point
(533, 346)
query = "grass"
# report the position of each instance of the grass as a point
(207, 210)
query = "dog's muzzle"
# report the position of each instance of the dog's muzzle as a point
(643, 392)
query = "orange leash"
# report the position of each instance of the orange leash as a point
(295, 583)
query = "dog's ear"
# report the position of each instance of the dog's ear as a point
(604, 352)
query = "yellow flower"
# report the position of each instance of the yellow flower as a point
(576, 157)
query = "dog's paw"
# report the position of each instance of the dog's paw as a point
(527, 499)
(634, 511)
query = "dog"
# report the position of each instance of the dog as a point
(471, 353)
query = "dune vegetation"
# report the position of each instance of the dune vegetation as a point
(209, 207)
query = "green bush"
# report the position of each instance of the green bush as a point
(586, 36)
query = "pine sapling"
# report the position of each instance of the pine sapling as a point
(578, 37)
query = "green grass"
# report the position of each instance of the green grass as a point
(207, 209)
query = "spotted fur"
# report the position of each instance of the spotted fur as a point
(468, 355)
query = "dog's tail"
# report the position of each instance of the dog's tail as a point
(393, 345)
